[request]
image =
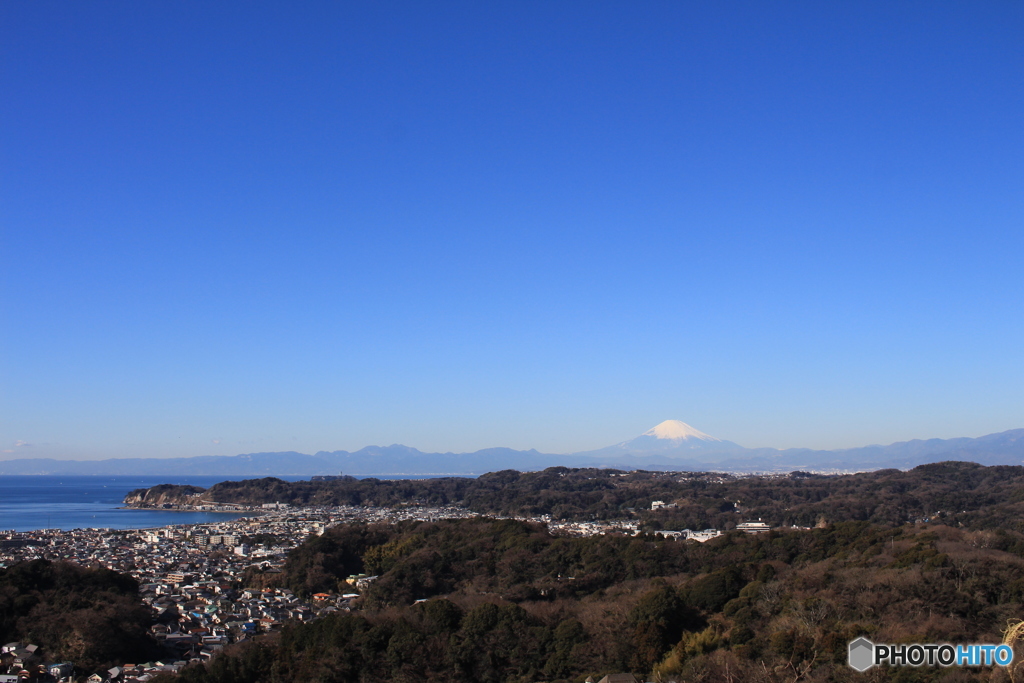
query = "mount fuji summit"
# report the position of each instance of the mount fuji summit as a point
(673, 439)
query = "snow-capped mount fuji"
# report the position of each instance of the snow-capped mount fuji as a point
(676, 430)
(673, 439)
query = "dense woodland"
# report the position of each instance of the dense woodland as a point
(91, 616)
(506, 601)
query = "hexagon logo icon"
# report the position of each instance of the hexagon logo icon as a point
(862, 654)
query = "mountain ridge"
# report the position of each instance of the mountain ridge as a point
(671, 445)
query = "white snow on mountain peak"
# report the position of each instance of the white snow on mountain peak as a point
(677, 431)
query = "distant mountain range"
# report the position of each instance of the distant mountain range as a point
(671, 445)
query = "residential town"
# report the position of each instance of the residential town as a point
(193, 576)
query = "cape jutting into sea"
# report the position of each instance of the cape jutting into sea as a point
(30, 502)
(54, 502)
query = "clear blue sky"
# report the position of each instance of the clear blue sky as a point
(236, 227)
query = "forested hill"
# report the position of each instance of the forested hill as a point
(958, 493)
(91, 616)
(504, 601)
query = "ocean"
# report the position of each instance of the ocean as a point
(32, 502)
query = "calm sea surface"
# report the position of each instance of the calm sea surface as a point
(53, 502)
(45, 502)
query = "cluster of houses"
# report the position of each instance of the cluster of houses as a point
(594, 528)
(64, 672)
(23, 661)
(195, 619)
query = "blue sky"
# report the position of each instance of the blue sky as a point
(236, 227)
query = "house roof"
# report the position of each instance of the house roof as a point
(618, 678)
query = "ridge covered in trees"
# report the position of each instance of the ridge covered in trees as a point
(92, 616)
(503, 600)
(959, 493)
